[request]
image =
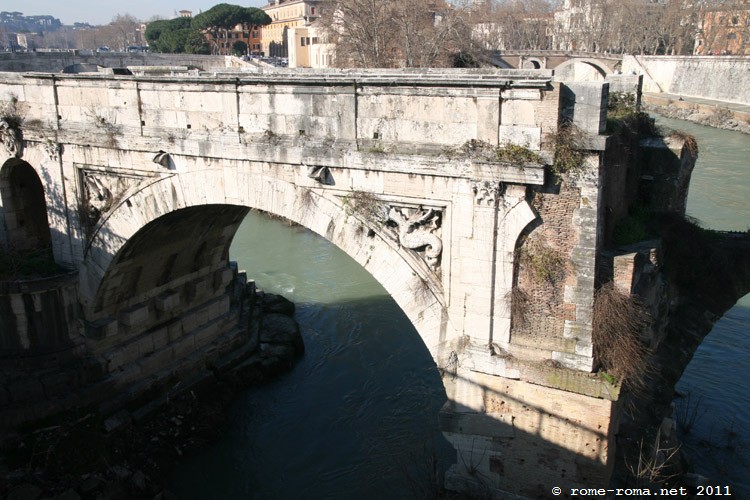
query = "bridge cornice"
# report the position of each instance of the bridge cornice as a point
(500, 78)
(296, 157)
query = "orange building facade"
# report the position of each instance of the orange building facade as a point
(222, 41)
(725, 30)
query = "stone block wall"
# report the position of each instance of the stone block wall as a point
(724, 78)
(666, 166)
(526, 438)
(40, 346)
(38, 316)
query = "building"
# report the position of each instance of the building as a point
(222, 41)
(624, 26)
(286, 15)
(724, 30)
(309, 47)
(574, 24)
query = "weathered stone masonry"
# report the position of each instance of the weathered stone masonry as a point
(147, 179)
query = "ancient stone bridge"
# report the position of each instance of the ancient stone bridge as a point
(438, 183)
(568, 65)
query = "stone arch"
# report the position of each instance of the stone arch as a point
(395, 268)
(569, 70)
(532, 63)
(518, 217)
(23, 207)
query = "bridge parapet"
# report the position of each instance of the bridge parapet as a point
(376, 110)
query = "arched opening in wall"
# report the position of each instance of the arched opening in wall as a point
(367, 386)
(541, 264)
(184, 251)
(579, 70)
(363, 400)
(24, 230)
(532, 63)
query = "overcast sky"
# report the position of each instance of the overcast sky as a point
(102, 12)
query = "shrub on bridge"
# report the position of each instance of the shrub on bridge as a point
(618, 322)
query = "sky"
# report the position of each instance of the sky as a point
(101, 12)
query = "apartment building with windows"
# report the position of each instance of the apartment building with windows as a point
(286, 15)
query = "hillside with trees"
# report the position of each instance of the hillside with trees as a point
(18, 23)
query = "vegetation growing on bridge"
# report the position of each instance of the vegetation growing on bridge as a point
(544, 263)
(618, 321)
(569, 146)
(505, 153)
(25, 264)
(623, 116)
(365, 206)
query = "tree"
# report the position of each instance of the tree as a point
(627, 26)
(224, 17)
(172, 35)
(393, 33)
(195, 42)
(227, 16)
(122, 31)
(239, 48)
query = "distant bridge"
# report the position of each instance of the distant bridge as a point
(568, 65)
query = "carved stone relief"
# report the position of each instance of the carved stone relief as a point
(101, 191)
(11, 139)
(486, 192)
(419, 230)
(53, 150)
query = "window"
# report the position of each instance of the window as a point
(312, 11)
(731, 36)
(302, 40)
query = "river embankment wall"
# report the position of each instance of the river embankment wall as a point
(723, 78)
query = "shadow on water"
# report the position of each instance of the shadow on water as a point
(712, 412)
(355, 418)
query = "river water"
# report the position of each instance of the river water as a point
(716, 384)
(357, 416)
